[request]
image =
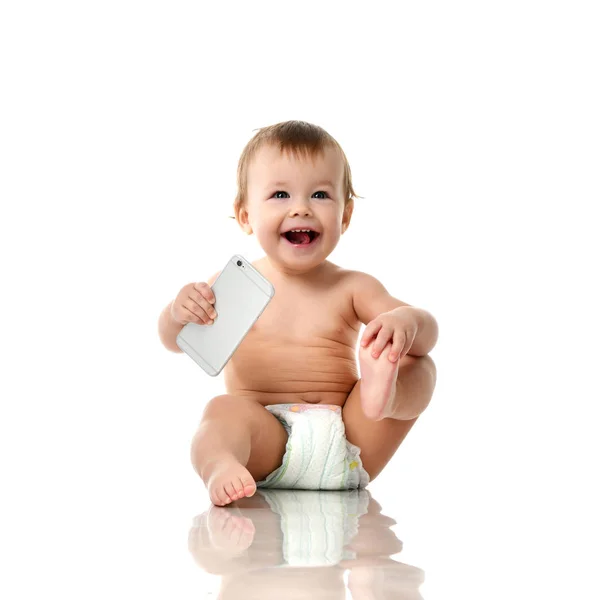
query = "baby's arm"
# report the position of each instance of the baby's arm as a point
(168, 329)
(370, 298)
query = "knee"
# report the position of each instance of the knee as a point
(427, 365)
(220, 405)
(429, 378)
(421, 368)
(231, 407)
(417, 376)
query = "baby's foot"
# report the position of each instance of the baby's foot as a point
(229, 481)
(378, 383)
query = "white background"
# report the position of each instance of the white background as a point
(470, 128)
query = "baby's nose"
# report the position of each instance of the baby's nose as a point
(301, 208)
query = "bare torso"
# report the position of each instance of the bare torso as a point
(302, 347)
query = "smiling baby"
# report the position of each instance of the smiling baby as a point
(295, 413)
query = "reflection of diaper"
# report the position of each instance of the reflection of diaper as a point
(318, 455)
(317, 526)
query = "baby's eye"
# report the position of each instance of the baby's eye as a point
(275, 194)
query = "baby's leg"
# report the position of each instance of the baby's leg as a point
(238, 443)
(379, 439)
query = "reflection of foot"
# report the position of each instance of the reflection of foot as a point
(228, 531)
(229, 481)
(378, 383)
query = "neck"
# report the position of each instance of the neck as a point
(288, 273)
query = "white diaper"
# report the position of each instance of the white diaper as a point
(317, 526)
(318, 455)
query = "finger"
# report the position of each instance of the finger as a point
(206, 291)
(197, 298)
(369, 332)
(383, 337)
(397, 347)
(407, 342)
(196, 314)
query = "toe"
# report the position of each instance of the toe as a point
(230, 491)
(215, 499)
(240, 487)
(219, 497)
(248, 484)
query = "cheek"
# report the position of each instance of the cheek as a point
(335, 223)
(265, 228)
(266, 222)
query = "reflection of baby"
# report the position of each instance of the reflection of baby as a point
(303, 541)
(295, 194)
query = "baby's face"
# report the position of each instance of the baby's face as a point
(287, 192)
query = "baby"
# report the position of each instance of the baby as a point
(295, 194)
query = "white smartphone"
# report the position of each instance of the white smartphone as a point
(241, 293)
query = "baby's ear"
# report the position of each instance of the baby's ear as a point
(347, 215)
(242, 216)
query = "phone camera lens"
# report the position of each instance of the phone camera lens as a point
(239, 263)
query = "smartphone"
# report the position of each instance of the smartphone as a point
(241, 293)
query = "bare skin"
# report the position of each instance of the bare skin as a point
(302, 348)
(378, 383)
(312, 361)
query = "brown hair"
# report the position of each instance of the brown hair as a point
(297, 137)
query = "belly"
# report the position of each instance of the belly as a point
(275, 373)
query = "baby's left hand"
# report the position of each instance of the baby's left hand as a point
(397, 326)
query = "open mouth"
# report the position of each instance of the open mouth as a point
(301, 237)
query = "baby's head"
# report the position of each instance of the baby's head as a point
(294, 175)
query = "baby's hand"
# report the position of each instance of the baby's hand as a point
(194, 304)
(397, 326)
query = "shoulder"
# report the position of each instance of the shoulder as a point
(362, 283)
(351, 281)
(359, 287)
(370, 297)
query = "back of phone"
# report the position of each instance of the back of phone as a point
(242, 294)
